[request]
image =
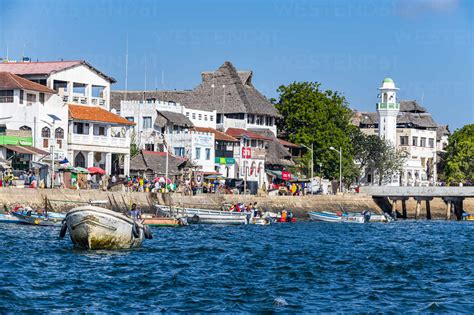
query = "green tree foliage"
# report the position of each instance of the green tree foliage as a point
(459, 167)
(311, 115)
(375, 155)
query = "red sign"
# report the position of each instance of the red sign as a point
(246, 153)
(285, 175)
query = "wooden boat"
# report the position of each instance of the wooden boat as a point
(261, 221)
(92, 227)
(335, 218)
(195, 215)
(38, 217)
(9, 218)
(164, 221)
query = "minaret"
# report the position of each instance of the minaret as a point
(387, 111)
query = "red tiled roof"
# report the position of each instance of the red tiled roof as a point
(239, 133)
(94, 113)
(289, 144)
(154, 153)
(25, 149)
(46, 67)
(218, 135)
(12, 81)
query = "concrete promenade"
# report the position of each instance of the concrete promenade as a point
(65, 199)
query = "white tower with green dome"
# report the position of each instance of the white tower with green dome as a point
(387, 111)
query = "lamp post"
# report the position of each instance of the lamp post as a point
(340, 165)
(53, 144)
(312, 163)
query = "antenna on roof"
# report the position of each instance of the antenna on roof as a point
(126, 70)
(156, 84)
(145, 71)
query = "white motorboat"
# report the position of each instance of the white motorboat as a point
(332, 217)
(195, 215)
(92, 227)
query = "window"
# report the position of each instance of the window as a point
(6, 96)
(130, 119)
(98, 91)
(194, 115)
(179, 151)
(423, 142)
(187, 114)
(46, 132)
(30, 99)
(403, 140)
(431, 142)
(41, 98)
(414, 141)
(81, 128)
(146, 122)
(60, 143)
(208, 154)
(198, 153)
(253, 143)
(25, 128)
(200, 116)
(21, 96)
(60, 86)
(59, 133)
(100, 130)
(45, 143)
(211, 117)
(205, 117)
(151, 100)
(79, 88)
(251, 119)
(219, 119)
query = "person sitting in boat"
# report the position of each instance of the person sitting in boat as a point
(284, 216)
(135, 214)
(289, 217)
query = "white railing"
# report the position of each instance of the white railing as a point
(79, 99)
(235, 123)
(98, 140)
(65, 98)
(97, 101)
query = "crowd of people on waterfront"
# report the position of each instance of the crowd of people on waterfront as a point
(141, 184)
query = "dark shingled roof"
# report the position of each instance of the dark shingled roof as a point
(156, 162)
(240, 95)
(412, 107)
(275, 152)
(174, 118)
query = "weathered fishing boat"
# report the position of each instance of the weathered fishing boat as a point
(165, 221)
(9, 218)
(335, 218)
(195, 215)
(92, 227)
(38, 217)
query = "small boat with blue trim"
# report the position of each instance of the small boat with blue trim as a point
(27, 215)
(9, 218)
(339, 217)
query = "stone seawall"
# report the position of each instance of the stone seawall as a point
(63, 200)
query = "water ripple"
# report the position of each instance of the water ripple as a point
(305, 267)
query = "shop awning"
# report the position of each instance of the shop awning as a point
(25, 150)
(282, 175)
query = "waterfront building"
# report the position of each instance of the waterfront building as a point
(95, 137)
(149, 164)
(411, 129)
(26, 121)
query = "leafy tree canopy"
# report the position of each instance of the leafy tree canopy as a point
(322, 118)
(459, 166)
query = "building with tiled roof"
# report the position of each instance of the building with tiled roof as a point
(410, 128)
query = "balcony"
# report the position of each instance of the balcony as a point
(233, 123)
(88, 139)
(79, 99)
(97, 101)
(395, 106)
(6, 99)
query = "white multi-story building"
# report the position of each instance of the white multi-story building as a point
(96, 137)
(29, 108)
(411, 129)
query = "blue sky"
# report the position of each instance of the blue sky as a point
(426, 46)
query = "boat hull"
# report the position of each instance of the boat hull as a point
(195, 215)
(11, 219)
(163, 222)
(334, 218)
(93, 227)
(34, 218)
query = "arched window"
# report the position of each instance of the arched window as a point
(59, 133)
(46, 132)
(385, 97)
(25, 128)
(80, 160)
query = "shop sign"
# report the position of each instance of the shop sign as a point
(224, 161)
(246, 153)
(285, 175)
